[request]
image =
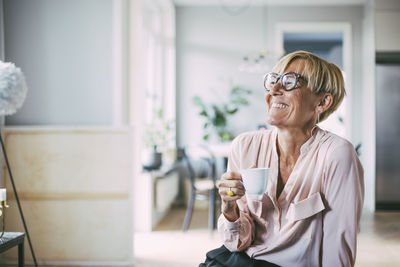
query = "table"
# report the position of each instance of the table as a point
(12, 239)
(220, 149)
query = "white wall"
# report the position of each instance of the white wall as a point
(369, 122)
(210, 47)
(65, 50)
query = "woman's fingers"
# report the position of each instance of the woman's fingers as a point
(230, 187)
(226, 198)
(231, 176)
(230, 179)
(231, 193)
(230, 183)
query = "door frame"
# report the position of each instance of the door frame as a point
(326, 27)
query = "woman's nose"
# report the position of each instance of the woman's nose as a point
(276, 89)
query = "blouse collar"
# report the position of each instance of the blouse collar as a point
(317, 135)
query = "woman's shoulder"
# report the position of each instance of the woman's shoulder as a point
(335, 140)
(337, 146)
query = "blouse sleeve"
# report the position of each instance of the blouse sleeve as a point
(238, 235)
(344, 195)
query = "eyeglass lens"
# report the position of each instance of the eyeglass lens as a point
(288, 81)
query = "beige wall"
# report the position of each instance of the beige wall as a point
(74, 186)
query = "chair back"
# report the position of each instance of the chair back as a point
(200, 163)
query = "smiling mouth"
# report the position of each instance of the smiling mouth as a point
(278, 105)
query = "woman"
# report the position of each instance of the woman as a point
(310, 212)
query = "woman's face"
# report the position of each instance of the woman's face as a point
(295, 108)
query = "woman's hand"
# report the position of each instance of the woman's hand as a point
(230, 189)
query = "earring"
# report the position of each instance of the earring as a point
(315, 126)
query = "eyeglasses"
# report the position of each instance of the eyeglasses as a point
(289, 80)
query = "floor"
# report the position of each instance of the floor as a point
(378, 241)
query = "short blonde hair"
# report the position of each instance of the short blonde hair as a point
(322, 76)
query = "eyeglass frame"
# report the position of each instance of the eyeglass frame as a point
(296, 75)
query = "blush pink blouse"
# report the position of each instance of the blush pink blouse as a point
(315, 220)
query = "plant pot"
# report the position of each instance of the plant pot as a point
(153, 161)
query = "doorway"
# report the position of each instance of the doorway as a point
(330, 41)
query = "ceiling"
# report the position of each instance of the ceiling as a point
(267, 2)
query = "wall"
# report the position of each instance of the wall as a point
(387, 24)
(151, 79)
(74, 187)
(210, 47)
(64, 49)
(74, 178)
(368, 150)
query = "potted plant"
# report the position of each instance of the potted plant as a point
(216, 115)
(157, 136)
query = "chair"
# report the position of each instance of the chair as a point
(201, 166)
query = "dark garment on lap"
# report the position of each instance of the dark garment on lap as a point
(222, 257)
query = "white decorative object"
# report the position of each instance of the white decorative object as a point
(12, 88)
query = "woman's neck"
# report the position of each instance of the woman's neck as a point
(289, 142)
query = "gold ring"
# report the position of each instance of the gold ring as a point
(230, 193)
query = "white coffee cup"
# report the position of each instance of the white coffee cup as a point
(255, 181)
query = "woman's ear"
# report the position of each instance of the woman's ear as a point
(325, 102)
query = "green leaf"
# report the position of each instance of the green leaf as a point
(216, 115)
(240, 101)
(225, 136)
(237, 90)
(219, 121)
(232, 111)
(203, 113)
(198, 101)
(216, 108)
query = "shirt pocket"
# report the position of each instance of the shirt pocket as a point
(305, 208)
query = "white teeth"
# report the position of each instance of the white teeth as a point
(277, 105)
